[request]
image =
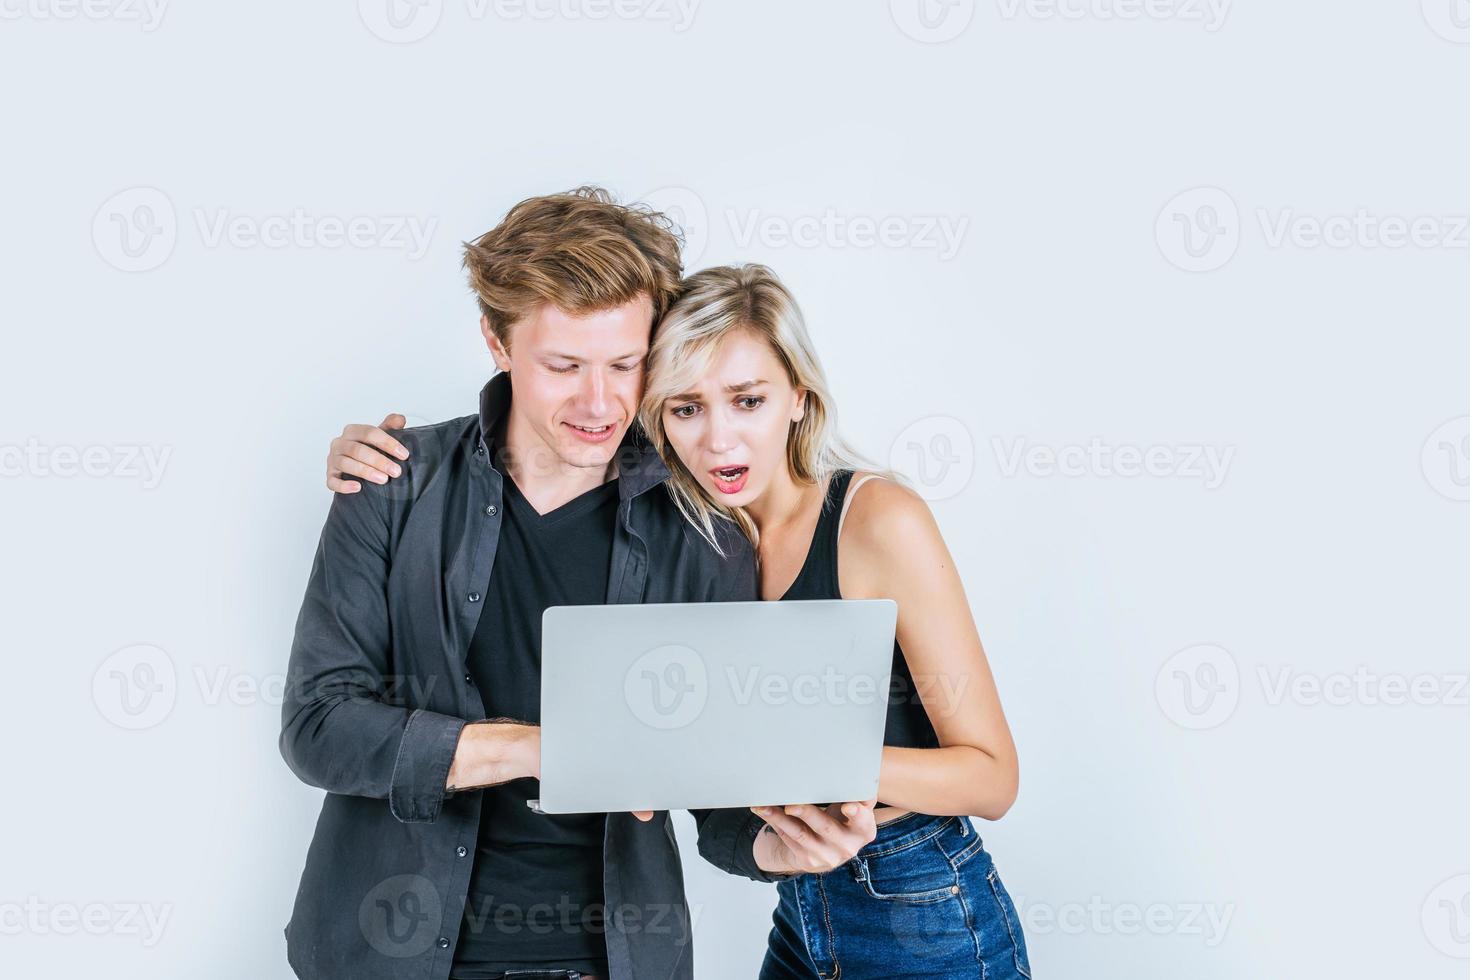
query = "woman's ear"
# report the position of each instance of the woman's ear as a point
(800, 405)
(497, 349)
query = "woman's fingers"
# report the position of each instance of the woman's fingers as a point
(813, 847)
(374, 435)
(860, 820)
(347, 466)
(352, 457)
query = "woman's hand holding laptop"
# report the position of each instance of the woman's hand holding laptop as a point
(806, 838)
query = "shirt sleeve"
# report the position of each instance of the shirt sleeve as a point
(338, 732)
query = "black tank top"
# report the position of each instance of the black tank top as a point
(908, 725)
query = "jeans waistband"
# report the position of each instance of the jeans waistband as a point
(906, 831)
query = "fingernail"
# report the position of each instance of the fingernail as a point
(397, 470)
(793, 810)
(761, 810)
(379, 478)
(401, 453)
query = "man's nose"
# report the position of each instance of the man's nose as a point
(594, 393)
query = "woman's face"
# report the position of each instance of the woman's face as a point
(730, 429)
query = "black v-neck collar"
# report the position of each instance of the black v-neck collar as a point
(579, 504)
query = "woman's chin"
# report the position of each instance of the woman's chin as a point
(739, 495)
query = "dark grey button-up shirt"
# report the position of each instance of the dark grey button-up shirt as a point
(378, 690)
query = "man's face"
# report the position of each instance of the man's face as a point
(576, 382)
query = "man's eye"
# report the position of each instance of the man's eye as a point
(626, 367)
(562, 368)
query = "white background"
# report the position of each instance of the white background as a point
(1135, 187)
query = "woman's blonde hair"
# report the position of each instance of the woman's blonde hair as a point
(712, 305)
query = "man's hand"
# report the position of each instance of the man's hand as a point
(806, 838)
(494, 752)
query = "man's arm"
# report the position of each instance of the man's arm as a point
(337, 731)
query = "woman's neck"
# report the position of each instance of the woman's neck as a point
(783, 501)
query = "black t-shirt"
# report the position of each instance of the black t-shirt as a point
(535, 897)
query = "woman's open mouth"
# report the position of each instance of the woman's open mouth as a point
(730, 479)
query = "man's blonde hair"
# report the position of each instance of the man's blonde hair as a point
(580, 251)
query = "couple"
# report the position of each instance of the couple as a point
(647, 439)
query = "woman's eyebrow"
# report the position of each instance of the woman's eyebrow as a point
(694, 396)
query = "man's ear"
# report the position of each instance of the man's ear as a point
(497, 349)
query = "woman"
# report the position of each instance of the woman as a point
(738, 404)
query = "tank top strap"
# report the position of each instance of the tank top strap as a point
(824, 548)
(817, 577)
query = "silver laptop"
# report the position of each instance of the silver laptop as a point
(716, 704)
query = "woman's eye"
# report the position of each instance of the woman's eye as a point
(683, 411)
(752, 401)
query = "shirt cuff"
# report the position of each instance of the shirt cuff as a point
(416, 793)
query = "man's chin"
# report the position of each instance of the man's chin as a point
(578, 452)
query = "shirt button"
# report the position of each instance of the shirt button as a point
(492, 510)
(468, 679)
(461, 850)
(443, 942)
(474, 597)
(479, 450)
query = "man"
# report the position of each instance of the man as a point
(414, 674)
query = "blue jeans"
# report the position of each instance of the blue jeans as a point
(923, 900)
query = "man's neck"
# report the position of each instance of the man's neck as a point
(545, 479)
